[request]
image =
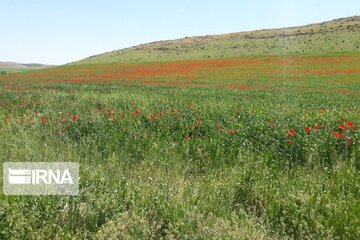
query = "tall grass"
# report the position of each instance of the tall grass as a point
(185, 163)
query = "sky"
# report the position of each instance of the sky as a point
(58, 32)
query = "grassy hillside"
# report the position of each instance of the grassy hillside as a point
(11, 67)
(341, 35)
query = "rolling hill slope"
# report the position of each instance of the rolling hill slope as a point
(20, 67)
(340, 35)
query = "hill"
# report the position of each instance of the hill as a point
(20, 67)
(340, 35)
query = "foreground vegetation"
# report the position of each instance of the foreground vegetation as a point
(245, 148)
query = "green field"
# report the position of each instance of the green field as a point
(242, 148)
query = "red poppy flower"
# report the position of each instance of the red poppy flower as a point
(197, 122)
(290, 142)
(307, 130)
(136, 112)
(153, 117)
(351, 125)
(337, 135)
(232, 131)
(343, 127)
(75, 118)
(44, 120)
(291, 133)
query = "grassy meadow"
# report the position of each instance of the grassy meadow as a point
(263, 147)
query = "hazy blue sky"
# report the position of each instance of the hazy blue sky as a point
(56, 32)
